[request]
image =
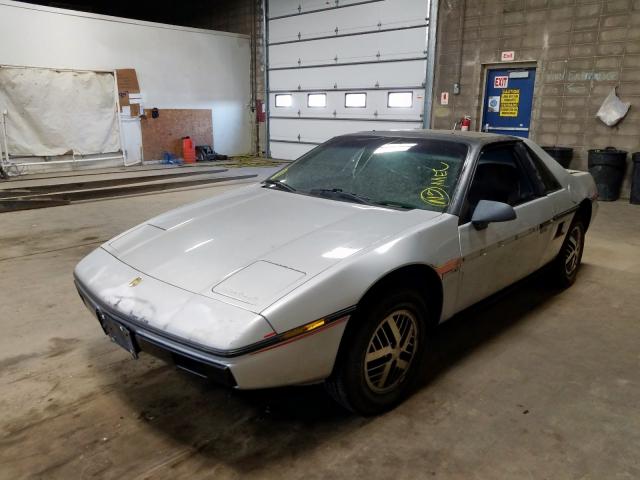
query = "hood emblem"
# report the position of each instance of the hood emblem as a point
(135, 282)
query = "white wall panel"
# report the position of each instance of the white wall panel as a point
(386, 75)
(290, 7)
(177, 67)
(380, 46)
(370, 16)
(351, 57)
(322, 130)
(289, 150)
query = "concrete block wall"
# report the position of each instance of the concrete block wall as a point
(581, 49)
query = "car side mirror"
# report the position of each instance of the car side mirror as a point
(488, 211)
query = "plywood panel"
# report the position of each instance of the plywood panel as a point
(164, 134)
(128, 80)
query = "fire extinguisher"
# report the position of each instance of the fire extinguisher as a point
(261, 114)
(465, 123)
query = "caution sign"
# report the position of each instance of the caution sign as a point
(509, 100)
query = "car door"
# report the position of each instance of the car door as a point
(556, 218)
(504, 252)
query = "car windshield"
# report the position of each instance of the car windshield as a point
(402, 173)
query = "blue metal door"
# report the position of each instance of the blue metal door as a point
(507, 101)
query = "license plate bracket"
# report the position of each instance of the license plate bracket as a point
(118, 334)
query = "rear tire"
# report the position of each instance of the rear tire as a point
(381, 354)
(566, 265)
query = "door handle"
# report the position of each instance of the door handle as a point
(513, 129)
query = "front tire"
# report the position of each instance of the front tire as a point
(381, 354)
(567, 263)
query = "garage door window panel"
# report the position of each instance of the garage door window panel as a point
(355, 100)
(317, 100)
(284, 100)
(400, 99)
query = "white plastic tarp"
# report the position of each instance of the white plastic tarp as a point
(53, 112)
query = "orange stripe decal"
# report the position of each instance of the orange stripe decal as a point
(449, 266)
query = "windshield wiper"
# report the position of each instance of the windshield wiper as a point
(394, 204)
(279, 184)
(338, 193)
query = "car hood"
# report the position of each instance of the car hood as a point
(251, 246)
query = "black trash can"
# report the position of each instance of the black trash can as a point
(562, 155)
(635, 179)
(607, 168)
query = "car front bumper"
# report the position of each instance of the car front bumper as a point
(276, 361)
(185, 357)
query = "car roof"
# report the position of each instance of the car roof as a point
(471, 138)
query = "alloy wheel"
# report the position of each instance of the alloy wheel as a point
(573, 250)
(391, 350)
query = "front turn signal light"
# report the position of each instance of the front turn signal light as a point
(303, 329)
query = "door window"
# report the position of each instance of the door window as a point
(499, 177)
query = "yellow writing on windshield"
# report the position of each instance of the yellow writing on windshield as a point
(436, 193)
(280, 173)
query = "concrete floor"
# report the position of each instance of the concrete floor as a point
(538, 384)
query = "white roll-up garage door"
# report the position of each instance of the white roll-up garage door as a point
(345, 66)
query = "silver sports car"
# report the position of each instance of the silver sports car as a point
(337, 267)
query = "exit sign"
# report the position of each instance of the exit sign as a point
(508, 56)
(501, 82)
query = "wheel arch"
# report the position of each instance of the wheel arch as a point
(584, 213)
(422, 277)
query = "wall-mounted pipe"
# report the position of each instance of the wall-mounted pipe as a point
(118, 108)
(4, 136)
(254, 78)
(461, 27)
(3, 172)
(265, 48)
(431, 64)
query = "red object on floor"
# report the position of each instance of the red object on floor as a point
(188, 150)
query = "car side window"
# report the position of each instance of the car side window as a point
(539, 170)
(499, 177)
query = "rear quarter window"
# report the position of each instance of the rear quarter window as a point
(544, 175)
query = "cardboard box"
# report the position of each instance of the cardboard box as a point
(128, 80)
